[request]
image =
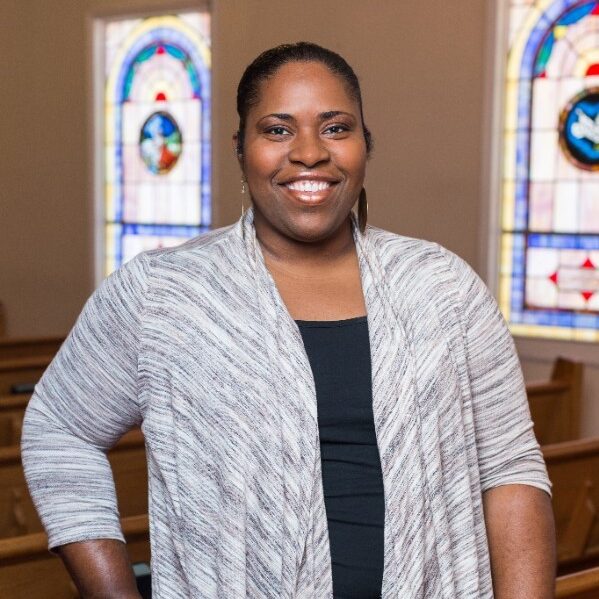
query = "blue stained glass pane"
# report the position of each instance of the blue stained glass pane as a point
(585, 321)
(145, 54)
(530, 52)
(522, 154)
(544, 54)
(563, 319)
(572, 242)
(521, 205)
(162, 230)
(176, 52)
(577, 14)
(518, 265)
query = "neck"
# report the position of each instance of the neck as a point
(282, 250)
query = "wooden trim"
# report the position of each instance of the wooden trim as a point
(569, 450)
(22, 341)
(542, 388)
(36, 544)
(21, 347)
(25, 363)
(14, 402)
(580, 582)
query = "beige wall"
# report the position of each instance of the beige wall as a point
(423, 71)
(425, 114)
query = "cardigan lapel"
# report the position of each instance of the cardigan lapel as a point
(397, 425)
(307, 555)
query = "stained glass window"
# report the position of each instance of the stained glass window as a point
(156, 133)
(549, 284)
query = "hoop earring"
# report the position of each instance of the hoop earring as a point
(362, 210)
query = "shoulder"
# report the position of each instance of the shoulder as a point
(201, 246)
(192, 254)
(420, 259)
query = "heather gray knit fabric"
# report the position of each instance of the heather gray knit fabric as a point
(196, 344)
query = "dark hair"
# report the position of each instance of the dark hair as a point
(270, 61)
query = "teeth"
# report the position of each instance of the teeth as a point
(310, 186)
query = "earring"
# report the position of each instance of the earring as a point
(243, 182)
(362, 210)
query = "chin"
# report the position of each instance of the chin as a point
(314, 229)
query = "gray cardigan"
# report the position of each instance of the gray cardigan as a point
(195, 344)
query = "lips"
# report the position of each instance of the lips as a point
(309, 188)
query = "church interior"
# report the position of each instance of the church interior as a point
(485, 119)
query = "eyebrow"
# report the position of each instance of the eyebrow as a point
(323, 116)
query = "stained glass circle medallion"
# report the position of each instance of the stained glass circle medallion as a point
(579, 129)
(160, 142)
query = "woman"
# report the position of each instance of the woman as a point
(296, 354)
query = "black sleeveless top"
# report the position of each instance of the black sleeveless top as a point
(339, 354)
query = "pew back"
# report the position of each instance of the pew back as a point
(573, 468)
(17, 371)
(555, 405)
(12, 409)
(581, 585)
(29, 570)
(26, 347)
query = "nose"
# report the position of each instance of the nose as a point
(308, 148)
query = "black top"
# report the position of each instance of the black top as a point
(339, 354)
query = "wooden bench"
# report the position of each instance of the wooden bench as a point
(581, 585)
(12, 410)
(26, 347)
(128, 462)
(555, 404)
(573, 468)
(29, 570)
(16, 371)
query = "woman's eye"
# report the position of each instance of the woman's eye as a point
(277, 131)
(335, 129)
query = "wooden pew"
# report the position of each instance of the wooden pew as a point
(29, 570)
(128, 462)
(16, 371)
(581, 585)
(26, 347)
(555, 404)
(12, 410)
(24, 359)
(573, 468)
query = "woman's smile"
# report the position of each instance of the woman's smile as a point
(311, 189)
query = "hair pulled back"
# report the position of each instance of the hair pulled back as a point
(270, 61)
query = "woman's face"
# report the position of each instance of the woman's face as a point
(304, 155)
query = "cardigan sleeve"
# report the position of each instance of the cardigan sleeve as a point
(508, 451)
(85, 401)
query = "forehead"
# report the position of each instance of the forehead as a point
(298, 86)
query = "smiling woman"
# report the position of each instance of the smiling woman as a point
(329, 409)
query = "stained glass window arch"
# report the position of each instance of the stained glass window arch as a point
(549, 257)
(156, 109)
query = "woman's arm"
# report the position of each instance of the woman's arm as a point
(513, 477)
(83, 404)
(521, 534)
(100, 569)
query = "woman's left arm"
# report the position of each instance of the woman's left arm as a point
(521, 535)
(513, 476)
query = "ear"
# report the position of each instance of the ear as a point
(234, 142)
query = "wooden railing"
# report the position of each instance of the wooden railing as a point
(581, 585)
